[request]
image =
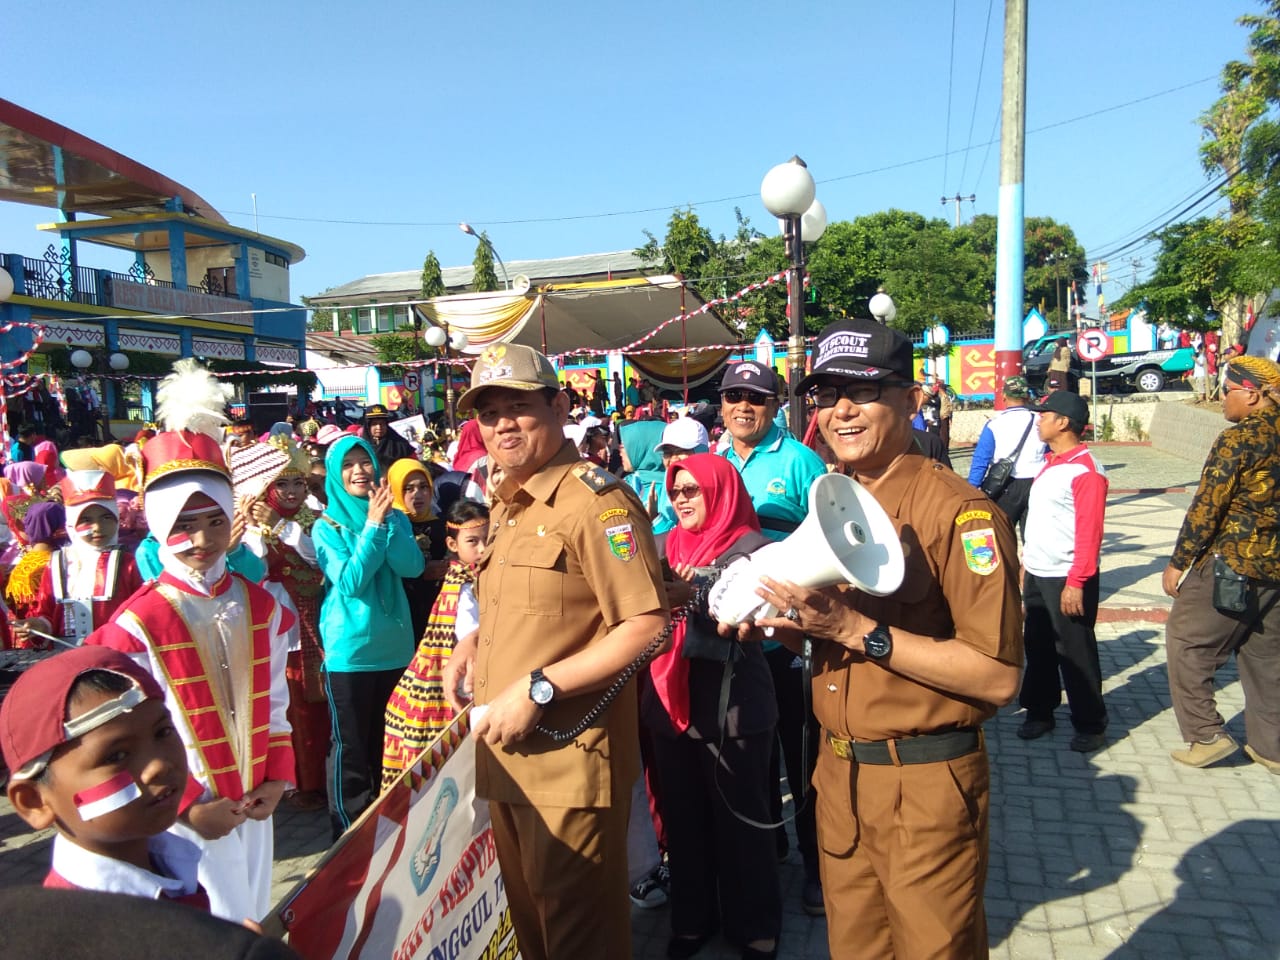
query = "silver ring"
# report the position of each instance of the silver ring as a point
(793, 615)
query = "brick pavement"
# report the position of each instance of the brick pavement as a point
(1121, 854)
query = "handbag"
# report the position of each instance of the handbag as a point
(1232, 592)
(1000, 474)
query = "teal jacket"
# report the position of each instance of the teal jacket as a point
(364, 619)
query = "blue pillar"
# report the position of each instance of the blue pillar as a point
(242, 271)
(251, 349)
(177, 257)
(188, 350)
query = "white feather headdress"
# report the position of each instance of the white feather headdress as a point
(191, 398)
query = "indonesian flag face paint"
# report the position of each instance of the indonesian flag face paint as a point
(179, 543)
(107, 797)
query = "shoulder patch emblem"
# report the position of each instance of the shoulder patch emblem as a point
(622, 541)
(972, 515)
(777, 487)
(980, 552)
(610, 514)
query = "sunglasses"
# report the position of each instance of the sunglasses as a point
(749, 396)
(856, 392)
(689, 491)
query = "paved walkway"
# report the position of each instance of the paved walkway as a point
(1120, 854)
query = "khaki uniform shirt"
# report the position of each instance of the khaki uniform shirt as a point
(570, 557)
(960, 582)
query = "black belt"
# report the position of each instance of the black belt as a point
(927, 748)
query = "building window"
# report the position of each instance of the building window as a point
(364, 320)
(399, 318)
(276, 259)
(384, 320)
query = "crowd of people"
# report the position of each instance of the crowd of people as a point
(294, 617)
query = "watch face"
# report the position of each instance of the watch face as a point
(541, 692)
(878, 643)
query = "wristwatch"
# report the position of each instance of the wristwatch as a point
(878, 644)
(540, 690)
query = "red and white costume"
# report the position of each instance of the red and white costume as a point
(217, 644)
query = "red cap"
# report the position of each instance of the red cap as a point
(31, 717)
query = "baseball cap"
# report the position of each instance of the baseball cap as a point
(749, 375)
(862, 349)
(510, 365)
(1017, 388)
(1067, 404)
(31, 718)
(685, 433)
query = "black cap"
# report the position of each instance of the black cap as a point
(863, 349)
(749, 375)
(1067, 404)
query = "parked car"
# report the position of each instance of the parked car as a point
(1147, 371)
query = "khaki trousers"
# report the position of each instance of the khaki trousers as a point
(565, 874)
(903, 855)
(1198, 642)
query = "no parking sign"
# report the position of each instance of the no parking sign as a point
(412, 381)
(1093, 345)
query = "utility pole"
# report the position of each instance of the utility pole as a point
(1134, 264)
(1010, 224)
(957, 200)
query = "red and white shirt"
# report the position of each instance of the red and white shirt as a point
(1064, 517)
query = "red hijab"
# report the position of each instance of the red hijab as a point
(729, 516)
(470, 446)
(729, 511)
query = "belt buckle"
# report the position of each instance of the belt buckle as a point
(842, 748)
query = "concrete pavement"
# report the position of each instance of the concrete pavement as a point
(1119, 854)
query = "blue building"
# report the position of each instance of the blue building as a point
(195, 285)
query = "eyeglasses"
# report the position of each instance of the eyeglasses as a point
(855, 392)
(750, 396)
(689, 491)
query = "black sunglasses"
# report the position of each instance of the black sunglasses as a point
(857, 392)
(750, 396)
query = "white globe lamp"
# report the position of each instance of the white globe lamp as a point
(883, 308)
(788, 189)
(81, 359)
(434, 336)
(458, 340)
(6, 285)
(118, 362)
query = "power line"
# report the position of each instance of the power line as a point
(1207, 195)
(951, 75)
(1142, 227)
(706, 203)
(982, 62)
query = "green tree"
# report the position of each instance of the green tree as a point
(433, 279)
(392, 348)
(320, 319)
(484, 277)
(1250, 89)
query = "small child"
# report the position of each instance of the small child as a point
(86, 581)
(417, 711)
(217, 644)
(107, 769)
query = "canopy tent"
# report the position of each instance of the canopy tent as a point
(631, 317)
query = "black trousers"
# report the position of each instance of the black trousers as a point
(1013, 501)
(1062, 653)
(357, 708)
(723, 871)
(788, 691)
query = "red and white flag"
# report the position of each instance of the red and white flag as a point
(107, 797)
(179, 543)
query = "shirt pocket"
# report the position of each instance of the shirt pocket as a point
(537, 577)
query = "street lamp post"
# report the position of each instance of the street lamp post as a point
(456, 341)
(116, 362)
(1057, 259)
(471, 232)
(788, 193)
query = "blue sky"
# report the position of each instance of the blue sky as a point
(551, 124)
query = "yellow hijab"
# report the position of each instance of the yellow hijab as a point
(397, 476)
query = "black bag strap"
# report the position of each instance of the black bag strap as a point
(1013, 457)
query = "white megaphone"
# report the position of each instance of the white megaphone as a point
(846, 538)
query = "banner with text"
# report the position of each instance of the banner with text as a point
(416, 878)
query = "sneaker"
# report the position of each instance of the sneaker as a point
(811, 898)
(1034, 729)
(650, 892)
(1272, 765)
(1203, 753)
